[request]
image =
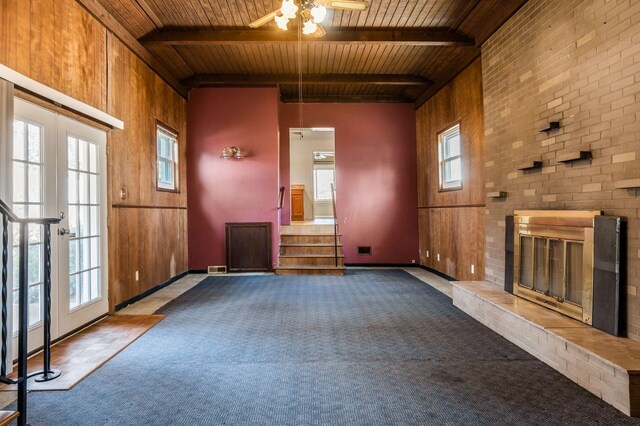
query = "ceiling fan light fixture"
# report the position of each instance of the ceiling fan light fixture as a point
(289, 9)
(349, 5)
(282, 22)
(318, 13)
(309, 27)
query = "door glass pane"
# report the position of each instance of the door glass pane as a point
(28, 201)
(19, 182)
(74, 294)
(93, 158)
(83, 155)
(84, 221)
(19, 140)
(35, 149)
(35, 183)
(556, 268)
(540, 276)
(574, 272)
(35, 304)
(526, 262)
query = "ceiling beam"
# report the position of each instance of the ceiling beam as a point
(236, 37)
(111, 24)
(324, 79)
(347, 99)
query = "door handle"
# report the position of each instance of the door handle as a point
(62, 232)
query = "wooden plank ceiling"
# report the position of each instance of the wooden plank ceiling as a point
(397, 51)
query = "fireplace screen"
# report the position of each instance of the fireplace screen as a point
(554, 260)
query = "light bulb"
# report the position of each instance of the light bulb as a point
(289, 9)
(318, 13)
(282, 22)
(309, 27)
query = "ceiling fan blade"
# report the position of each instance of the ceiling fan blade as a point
(356, 5)
(320, 32)
(266, 18)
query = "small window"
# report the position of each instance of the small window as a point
(167, 141)
(450, 159)
(323, 178)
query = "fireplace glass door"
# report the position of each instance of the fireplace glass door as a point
(550, 271)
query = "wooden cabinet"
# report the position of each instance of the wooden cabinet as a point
(297, 202)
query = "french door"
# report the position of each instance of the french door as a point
(58, 169)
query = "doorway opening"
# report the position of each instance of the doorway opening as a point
(312, 174)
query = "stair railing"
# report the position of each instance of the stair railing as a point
(281, 198)
(335, 223)
(8, 216)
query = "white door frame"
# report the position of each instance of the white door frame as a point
(48, 120)
(71, 319)
(54, 152)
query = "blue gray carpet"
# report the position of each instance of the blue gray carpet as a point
(371, 348)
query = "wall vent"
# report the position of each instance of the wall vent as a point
(364, 251)
(212, 270)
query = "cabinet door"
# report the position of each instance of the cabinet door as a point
(297, 207)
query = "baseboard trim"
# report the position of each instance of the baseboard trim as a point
(152, 290)
(382, 265)
(198, 271)
(438, 273)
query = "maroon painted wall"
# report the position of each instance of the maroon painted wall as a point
(221, 190)
(376, 178)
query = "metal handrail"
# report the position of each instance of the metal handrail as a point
(335, 223)
(8, 215)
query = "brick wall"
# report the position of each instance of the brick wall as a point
(577, 62)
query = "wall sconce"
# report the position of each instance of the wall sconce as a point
(232, 152)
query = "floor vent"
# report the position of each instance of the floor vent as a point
(364, 251)
(212, 270)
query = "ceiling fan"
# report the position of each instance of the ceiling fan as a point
(311, 12)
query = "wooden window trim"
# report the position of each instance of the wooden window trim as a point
(446, 128)
(176, 165)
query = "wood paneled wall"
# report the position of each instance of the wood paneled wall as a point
(452, 223)
(148, 229)
(59, 44)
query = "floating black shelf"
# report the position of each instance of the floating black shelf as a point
(575, 156)
(627, 184)
(553, 125)
(497, 194)
(530, 165)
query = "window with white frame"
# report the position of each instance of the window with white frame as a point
(450, 158)
(167, 141)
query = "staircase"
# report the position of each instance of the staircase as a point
(310, 250)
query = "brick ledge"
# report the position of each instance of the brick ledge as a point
(607, 366)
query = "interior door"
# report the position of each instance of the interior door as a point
(83, 231)
(33, 193)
